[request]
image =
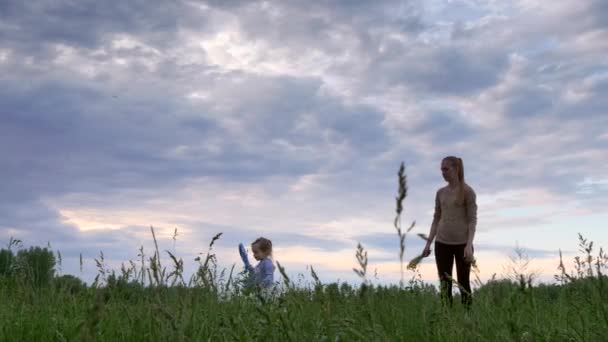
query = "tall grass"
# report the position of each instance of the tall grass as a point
(121, 308)
(147, 300)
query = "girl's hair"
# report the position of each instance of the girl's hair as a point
(457, 163)
(264, 245)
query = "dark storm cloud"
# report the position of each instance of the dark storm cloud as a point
(31, 25)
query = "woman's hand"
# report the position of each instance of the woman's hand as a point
(468, 253)
(427, 250)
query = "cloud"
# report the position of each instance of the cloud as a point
(84, 23)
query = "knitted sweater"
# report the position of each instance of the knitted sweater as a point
(452, 220)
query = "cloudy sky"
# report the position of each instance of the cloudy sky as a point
(289, 119)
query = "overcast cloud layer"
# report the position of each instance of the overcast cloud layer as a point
(289, 119)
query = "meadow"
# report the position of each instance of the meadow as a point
(148, 301)
(151, 302)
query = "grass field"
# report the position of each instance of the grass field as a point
(148, 301)
(151, 302)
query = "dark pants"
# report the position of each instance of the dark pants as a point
(444, 256)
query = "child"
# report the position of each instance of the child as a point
(454, 226)
(262, 275)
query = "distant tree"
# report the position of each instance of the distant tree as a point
(69, 283)
(7, 259)
(37, 265)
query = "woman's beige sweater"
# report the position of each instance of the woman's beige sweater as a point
(452, 220)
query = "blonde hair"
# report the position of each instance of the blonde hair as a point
(263, 244)
(457, 163)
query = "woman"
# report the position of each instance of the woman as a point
(453, 230)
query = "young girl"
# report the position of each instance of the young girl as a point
(453, 227)
(262, 275)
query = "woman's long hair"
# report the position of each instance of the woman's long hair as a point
(457, 163)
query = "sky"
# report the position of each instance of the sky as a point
(289, 120)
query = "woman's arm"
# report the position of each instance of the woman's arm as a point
(471, 201)
(436, 218)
